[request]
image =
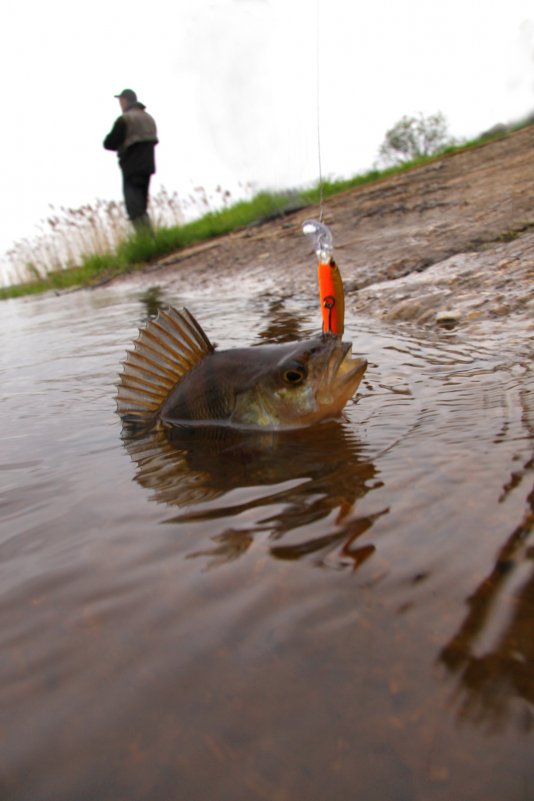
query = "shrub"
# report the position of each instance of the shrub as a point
(413, 138)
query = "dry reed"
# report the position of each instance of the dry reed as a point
(69, 236)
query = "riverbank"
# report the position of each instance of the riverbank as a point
(449, 243)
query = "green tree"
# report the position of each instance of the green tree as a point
(414, 137)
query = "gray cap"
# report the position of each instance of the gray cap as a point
(129, 95)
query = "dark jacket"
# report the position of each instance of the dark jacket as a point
(134, 137)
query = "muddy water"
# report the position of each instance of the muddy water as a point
(344, 612)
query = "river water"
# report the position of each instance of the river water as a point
(344, 612)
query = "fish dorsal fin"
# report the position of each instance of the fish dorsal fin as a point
(165, 350)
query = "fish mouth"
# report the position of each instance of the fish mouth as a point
(343, 367)
(342, 374)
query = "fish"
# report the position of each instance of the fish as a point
(175, 377)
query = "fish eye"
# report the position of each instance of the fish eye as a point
(294, 375)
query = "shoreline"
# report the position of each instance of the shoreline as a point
(450, 243)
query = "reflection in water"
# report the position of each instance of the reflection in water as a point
(282, 325)
(321, 471)
(491, 675)
(152, 300)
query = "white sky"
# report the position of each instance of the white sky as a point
(233, 87)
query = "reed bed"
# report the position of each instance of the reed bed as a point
(70, 237)
(89, 244)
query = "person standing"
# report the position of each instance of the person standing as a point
(134, 138)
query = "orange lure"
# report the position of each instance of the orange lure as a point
(330, 283)
(332, 298)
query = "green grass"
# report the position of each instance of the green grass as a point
(143, 247)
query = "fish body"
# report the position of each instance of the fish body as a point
(175, 377)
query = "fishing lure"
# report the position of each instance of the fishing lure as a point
(331, 294)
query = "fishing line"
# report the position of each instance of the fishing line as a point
(329, 278)
(318, 104)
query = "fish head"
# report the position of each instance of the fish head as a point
(299, 384)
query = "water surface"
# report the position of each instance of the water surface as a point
(342, 612)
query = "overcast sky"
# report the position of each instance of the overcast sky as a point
(233, 85)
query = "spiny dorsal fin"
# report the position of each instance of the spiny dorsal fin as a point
(165, 350)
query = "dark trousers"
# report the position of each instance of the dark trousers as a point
(135, 189)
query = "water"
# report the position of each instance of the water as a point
(343, 612)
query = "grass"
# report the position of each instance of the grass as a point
(83, 247)
(132, 252)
